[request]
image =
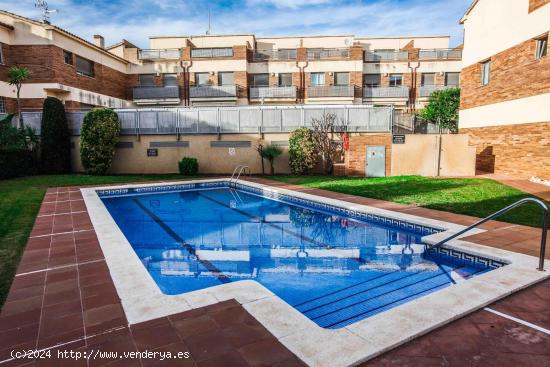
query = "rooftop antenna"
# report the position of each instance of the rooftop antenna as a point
(41, 4)
(208, 31)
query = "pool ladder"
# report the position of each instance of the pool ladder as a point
(240, 169)
(505, 210)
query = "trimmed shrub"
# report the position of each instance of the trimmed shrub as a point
(55, 145)
(17, 163)
(188, 166)
(98, 138)
(301, 151)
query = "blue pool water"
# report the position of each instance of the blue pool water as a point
(333, 269)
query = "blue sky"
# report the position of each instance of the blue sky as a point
(137, 20)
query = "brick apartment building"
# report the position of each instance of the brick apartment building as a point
(505, 86)
(222, 70)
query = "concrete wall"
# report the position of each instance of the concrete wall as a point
(419, 156)
(212, 160)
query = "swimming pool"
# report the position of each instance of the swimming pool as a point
(334, 265)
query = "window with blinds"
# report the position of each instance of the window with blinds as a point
(226, 78)
(84, 66)
(452, 79)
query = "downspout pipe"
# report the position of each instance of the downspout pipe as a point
(412, 96)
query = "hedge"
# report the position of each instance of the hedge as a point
(98, 138)
(55, 145)
(17, 163)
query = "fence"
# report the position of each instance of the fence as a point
(242, 119)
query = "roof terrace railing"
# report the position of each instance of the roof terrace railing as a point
(284, 54)
(156, 92)
(159, 54)
(213, 91)
(212, 52)
(386, 55)
(327, 53)
(440, 54)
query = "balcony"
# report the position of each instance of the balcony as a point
(209, 53)
(330, 91)
(273, 93)
(156, 95)
(440, 54)
(427, 90)
(386, 55)
(265, 55)
(327, 53)
(159, 54)
(213, 91)
(386, 92)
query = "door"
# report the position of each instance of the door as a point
(376, 161)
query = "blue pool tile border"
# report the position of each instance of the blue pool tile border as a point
(452, 254)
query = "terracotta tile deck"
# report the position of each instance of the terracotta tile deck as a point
(63, 298)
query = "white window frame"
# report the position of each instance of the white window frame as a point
(486, 72)
(541, 49)
(395, 76)
(321, 77)
(279, 81)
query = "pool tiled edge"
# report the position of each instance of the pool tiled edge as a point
(142, 300)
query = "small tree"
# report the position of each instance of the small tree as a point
(98, 137)
(301, 151)
(324, 131)
(55, 145)
(442, 109)
(270, 152)
(17, 76)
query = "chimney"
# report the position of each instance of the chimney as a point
(99, 41)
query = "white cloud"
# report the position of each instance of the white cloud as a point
(293, 4)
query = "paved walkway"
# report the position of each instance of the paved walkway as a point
(539, 190)
(63, 298)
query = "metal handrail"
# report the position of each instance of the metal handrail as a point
(240, 169)
(505, 210)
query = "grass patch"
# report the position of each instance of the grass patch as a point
(471, 196)
(20, 201)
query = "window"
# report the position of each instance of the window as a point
(1, 55)
(2, 105)
(542, 47)
(341, 78)
(452, 79)
(201, 79)
(84, 66)
(285, 80)
(428, 79)
(485, 72)
(372, 80)
(68, 57)
(260, 80)
(317, 79)
(226, 78)
(146, 80)
(396, 80)
(170, 80)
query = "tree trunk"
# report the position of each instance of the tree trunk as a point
(271, 167)
(19, 116)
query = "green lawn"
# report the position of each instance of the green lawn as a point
(471, 196)
(20, 200)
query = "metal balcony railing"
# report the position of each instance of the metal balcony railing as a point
(155, 92)
(212, 52)
(272, 92)
(264, 55)
(327, 53)
(386, 55)
(386, 92)
(427, 90)
(159, 54)
(330, 91)
(213, 91)
(440, 54)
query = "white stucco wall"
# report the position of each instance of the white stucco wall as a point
(517, 111)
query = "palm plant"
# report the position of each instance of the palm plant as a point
(270, 152)
(17, 75)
